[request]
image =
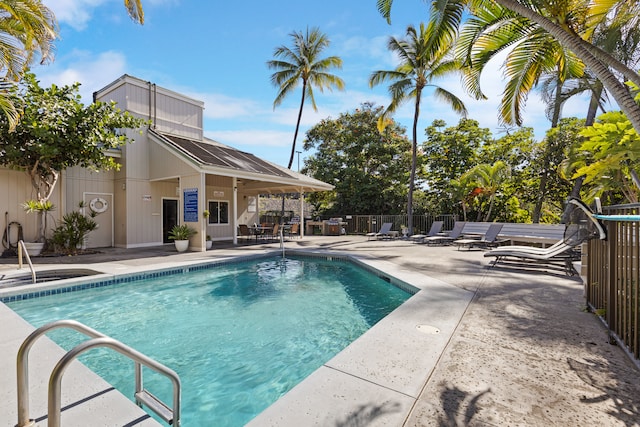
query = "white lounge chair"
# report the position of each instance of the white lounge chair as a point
(385, 231)
(490, 238)
(436, 227)
(560, 252)
(581, 226)
(454, 234)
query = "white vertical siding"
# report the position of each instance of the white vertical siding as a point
(80, 180)
(15, 189)
(171, 112)
(162, 163)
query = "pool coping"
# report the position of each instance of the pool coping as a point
(380, 386)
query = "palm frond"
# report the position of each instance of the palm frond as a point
(456, 104)
(134, 8)
(286, 87)
(384, 8)
(523, 67)
(381, 76)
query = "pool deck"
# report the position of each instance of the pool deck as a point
(476, 346)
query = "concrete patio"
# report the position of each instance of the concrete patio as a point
(516, 348)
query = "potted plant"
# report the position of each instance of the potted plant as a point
(209, 242)
(42, 209)
(180, 234)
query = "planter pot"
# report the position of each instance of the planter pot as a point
(181, 245)
(209, 244)
(34, 248)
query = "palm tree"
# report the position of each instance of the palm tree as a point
(532, 53)
(302, 63)
(462, 189)
(425, 56)
(27, 27)
(134, 9)
(489, 179)
(619, 36)
(601, 63)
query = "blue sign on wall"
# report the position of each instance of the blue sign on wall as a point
(190, 197)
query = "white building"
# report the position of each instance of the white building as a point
(169, 176)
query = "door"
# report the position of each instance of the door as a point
(102, 204)
(169, 217)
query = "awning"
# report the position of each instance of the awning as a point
(255, 174)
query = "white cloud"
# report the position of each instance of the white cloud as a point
(220, 106)
(371, 48)
(252, 137)
(75, 13)
(78, 13)
(94, 71)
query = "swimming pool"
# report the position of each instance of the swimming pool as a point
(239, 335)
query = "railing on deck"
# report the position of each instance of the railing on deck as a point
(363, 224)
(613, 273)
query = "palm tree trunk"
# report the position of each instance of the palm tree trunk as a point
(488, 216)
(293, 146)
(414, 157)
(542, 188)
(557, 102)
(591, 56)
(594, 104)
(295, 135)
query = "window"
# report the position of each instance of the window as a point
(218, 212)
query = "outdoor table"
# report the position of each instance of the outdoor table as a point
(261, 230)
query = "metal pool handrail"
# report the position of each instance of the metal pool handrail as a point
(22, 247)
(282, 242)
(170, 415)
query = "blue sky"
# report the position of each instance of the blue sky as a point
(217, 51)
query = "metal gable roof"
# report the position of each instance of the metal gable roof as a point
(258, 174)
(226, 157)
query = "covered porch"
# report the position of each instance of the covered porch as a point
(217, 187)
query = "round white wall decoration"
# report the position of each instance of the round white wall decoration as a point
(98, 205)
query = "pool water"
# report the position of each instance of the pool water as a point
(239, 335)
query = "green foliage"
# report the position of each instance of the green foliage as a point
(612, 154)
(28, 29)
(514, 149)
(369, 169)
(181, 232)
(69, 236)
(452, 151)
(509, 209)
(449, 153)
(42, 209)
(57, 132)
(31, 206)
(546, 174)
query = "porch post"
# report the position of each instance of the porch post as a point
(234, 222)
(301, 213)
(203, 222)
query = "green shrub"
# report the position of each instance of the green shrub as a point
(69, 236)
